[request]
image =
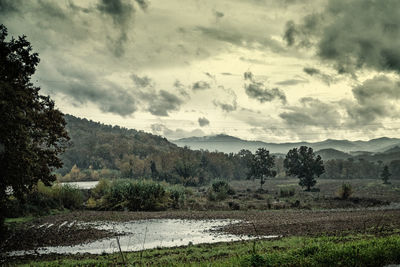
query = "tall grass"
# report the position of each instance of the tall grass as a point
(136, 195)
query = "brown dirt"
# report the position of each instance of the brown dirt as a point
(281, 222)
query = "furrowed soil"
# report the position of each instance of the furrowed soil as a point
(55, 230)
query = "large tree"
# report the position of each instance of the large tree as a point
(261, 166)
(305, 165)
(32, 132)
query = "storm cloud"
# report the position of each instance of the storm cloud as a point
(376, 99)
(201, 85)
(319, 75)
(312, 112)
(367, 35)
(258, 91)
(161, 103)
(203, 121)
(84, 87)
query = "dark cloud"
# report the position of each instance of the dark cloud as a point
(320, 75)
(312, 112)
(376, 98)
(201, 85)
(143, 4)
(292, 82)
(209, 75)
(203, 122)
(121, 12)
(218, 15)
(258, 91)
(253, 61)
(367, 35)
(181, 89)
(9, 6)
(161, 103)
(84, 86)
(227, 107)
(229, 102)
(142, 81)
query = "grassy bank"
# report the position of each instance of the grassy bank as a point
(355, 250)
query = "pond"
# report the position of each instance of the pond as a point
(147, 234)
(82, 185)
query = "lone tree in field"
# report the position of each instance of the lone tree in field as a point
(261, 166)
(305, 165)
(32, 131)
(385, 175)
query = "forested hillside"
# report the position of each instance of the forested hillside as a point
(99, 150)
(103, 151)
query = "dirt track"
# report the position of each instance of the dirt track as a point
(55, 230)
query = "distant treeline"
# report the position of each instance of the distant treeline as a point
(102, 151)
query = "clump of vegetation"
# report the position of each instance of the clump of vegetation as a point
(220, 190)
(385, 175)
(345, 191)
(287, 192)
(42, 199)
(136, 195)
(332, 252)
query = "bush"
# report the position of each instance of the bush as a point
(220, 190)
(345, 191)
(177, 196)
(140, 195)
(287, 192)
(42, 199)
(70, 196)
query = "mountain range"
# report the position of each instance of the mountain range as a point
(231, 144)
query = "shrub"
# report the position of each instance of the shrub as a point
(219, 190)
(137, 196)
(70, 196)
(345, 191)
(177, 195)
(287, 192)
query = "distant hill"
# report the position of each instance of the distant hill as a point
(228, 144)
(330, 153)
(97, 145)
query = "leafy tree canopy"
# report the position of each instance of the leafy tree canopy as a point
(305, 165)
(261, 165)
(32, 131)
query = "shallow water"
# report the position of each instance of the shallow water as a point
(147, 234)
(83, 185)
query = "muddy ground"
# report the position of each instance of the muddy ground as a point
(64, 229)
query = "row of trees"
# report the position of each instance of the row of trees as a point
(300, 162)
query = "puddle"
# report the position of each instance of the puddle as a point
(147, 234)
(82, 185)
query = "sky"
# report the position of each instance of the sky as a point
(268, 70)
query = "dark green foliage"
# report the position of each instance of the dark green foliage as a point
(220, 190)
(142, 195)
(369, 252)
(385, 175)
(261, 165)
(305, 165)
(345, 191)
(32, 133)
(287, 192)
(42, 199)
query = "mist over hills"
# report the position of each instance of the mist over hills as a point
(230, 144)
